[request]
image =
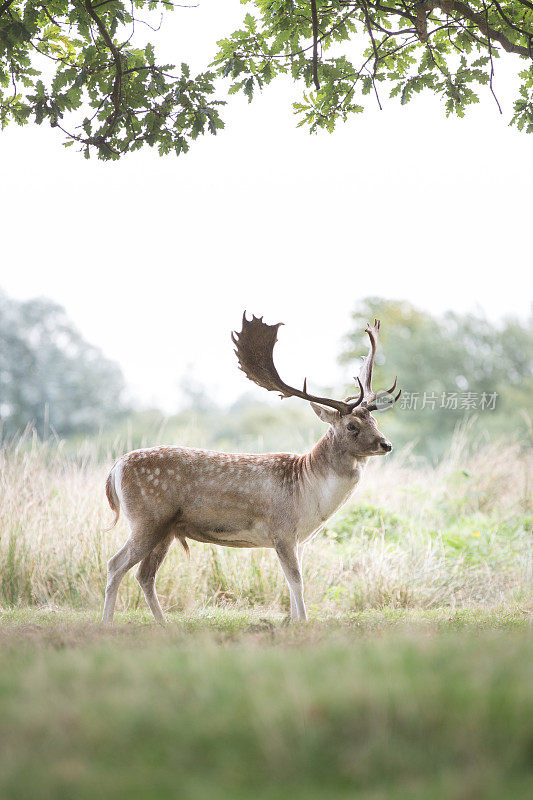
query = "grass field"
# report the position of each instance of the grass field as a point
(413, 678)
(456, 535)
(393, 704)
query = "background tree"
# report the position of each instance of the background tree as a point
(76, 66)
(449, 368)
(49, 375)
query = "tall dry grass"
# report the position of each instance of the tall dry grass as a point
(458, 534)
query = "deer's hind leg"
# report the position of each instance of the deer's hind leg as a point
(140, 544)
(147, 572)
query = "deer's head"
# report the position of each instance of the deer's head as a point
(356, 433)
(352, 425)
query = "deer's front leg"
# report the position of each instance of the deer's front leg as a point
(294, 612)
(290, 564)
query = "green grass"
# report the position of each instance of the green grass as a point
(390, 704)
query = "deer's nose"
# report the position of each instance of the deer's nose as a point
(386, 446)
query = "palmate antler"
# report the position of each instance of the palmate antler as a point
(373, 401)
(254, 349)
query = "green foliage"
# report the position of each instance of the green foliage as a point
(466, 538)
(367, 521)
(49, 376)
(523, 107)
(75, 66)
(448, 48)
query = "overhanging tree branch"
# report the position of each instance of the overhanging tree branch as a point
(117, 84)
(314, 17)
(479, 20)
(127, 99)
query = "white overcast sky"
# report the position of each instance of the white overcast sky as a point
(155, 259)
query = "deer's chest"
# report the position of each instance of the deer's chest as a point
(321, 499)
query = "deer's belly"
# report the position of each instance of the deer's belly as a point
(230, 537)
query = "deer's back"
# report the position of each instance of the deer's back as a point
(233, 499)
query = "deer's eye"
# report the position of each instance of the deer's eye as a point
(351, 427)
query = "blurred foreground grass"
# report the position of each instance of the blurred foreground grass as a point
(390, 704)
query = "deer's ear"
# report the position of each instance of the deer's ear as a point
(328, 415)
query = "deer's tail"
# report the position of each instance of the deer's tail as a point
(112, 498)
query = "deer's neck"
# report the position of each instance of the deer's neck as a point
(327, 458)
(327, 478)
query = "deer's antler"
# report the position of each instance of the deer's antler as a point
(254, 349)
(370, 399)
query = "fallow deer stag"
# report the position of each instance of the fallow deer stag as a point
(277, 500)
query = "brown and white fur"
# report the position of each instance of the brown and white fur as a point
(276, 500)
